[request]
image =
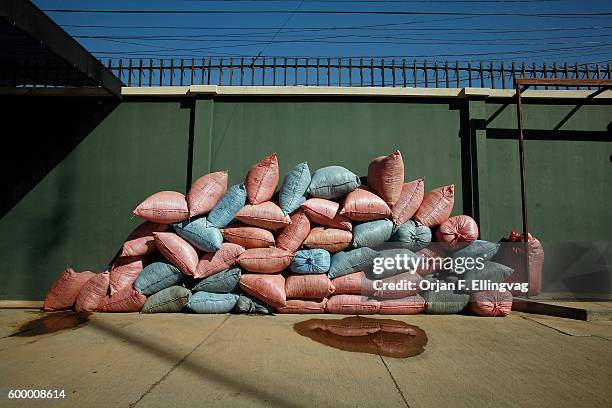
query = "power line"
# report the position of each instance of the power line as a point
(281, 28)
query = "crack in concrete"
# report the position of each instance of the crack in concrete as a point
(178, 363)
(397, 387)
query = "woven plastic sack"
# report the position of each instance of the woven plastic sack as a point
(293, 235)
(326, 212)
(396, 286)
(363, 205)
(207, 302)
(436, 207)
(205, 192)
(140, 241)
(412, 236)
(92, 294)
(403, 306)
(248, 305)
(158, 276)
(270, 289)
(457, 232)
(262, 179)
(126, 300)
(478, 249)
(221, 260)
(491, 303)
(248, 237)
(265, 260)
(177, 251)
(373, 233)
(352, 304)
(228, 206)
(332, 182)
(408, 202)
(293, 190)
(330, 239)
(308, 287)
(512, 255)
(492, 271)
(378, 270)
(165, 207)
(433, 260)
(299, 306)
(65, 289)
(346, 262)
(200, 234)
(386, 176)
(355, 283)
(265, 215)
(310, 261)
(124, 272)
(445, 301)
(222, 282)
(169, 300)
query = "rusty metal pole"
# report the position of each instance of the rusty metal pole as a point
(519, 116)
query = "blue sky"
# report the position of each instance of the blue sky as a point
(561, 39)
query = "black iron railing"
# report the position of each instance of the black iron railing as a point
(352, 72)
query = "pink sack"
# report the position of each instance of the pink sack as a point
(270, 289)
(205, 192)
(293, 235)
(262, 179)
(140, 241)
(213, 262)
(330, 239)
(165, 207)
(408, 305)
(65, 289)
(386, 176)
(326, 212)
(433, 261)
(512, 254)
(298, 306)
(409, 201)
(457, 232)
(491, 303)
(436, 206)
(124, 272)
(353, 284)
(126, 300)
(315, 286)
(401, 286)
(265, 260)
(363, 205)
(92, 293)
(352, 304)
(177, 251)
(265, 215)
(248, 237)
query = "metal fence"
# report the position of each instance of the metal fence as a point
(352, 72)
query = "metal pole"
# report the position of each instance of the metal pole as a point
(519, 116)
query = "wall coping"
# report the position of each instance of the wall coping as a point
(193, 90)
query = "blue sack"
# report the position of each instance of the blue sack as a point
(200, 234)
(333, 182)
(412, 236)
(222, 282)
(345, 262)
(373, 233)
(206, 302)
(158, 276)
(478, 249)
(293, 191)
(444, 301)
(248, 305)
(491, 271)
(228, 206)
(310, 261)
(379, 268)
(169, 300)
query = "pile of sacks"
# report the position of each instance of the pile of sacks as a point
(308, 248)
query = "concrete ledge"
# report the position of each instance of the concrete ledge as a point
(56, 92)
(155, 91)
(587, 311)
(21, 304)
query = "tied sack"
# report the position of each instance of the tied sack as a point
(491, 303)
(332, 182)
(228, 206)
(223, 282)
(386, 176)
(205, 192)
(207, 302)
(299, 306)
(293, 235)
(363, 205)
(65, 289)
(165, 207)
(352, 304)
(249, 305)
(169, 300)
(262, 179)
(265, 260)
(457, 232)
(436, 207)
(412, 236)
(327, 213)
(512, 255)
(248, 237)
(310, 261)
(221, 260)
(200, 234)
(355, 283)
(409, 201)
(177, 251)
(330, 239)
(270, 289)
(265, 215)
(308, 287)
(124, 272)
(403, 306)
(345, 262)
(140, 241)
(373, 233)
(293, 190)
(158, 276)
(92, 293)
(126, 300)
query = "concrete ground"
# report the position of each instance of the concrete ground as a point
(186, 360)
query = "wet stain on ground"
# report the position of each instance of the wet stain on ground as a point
(383, 337)
(52, 323)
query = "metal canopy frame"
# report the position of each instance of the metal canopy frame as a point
(522, 84)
